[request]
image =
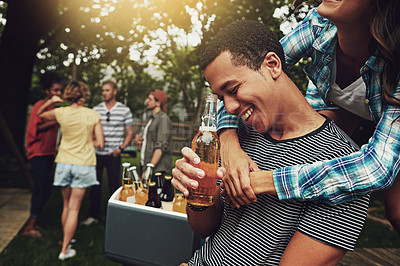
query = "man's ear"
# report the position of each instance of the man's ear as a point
(273, 64)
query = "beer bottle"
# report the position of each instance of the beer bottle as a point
(154, 198)
(179, 204)
(136, 180)
(167, 193)
(126, 194)
(206, 145)
(158, 178)
(148, 175)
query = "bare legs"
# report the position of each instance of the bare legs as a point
(72, 198)
(392, 204)
(303, 250)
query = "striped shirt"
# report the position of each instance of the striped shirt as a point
(376, 165)
(257, 234)
(113, 122)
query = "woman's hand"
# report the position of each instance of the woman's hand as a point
(236, 183)
(55, 100)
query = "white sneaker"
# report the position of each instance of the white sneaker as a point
(71, 253)
(89, 221)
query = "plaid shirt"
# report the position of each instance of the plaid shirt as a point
(372, 168)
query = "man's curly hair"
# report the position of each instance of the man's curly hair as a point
(248, 42)
(48, 79)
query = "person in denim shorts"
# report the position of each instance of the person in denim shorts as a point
(76, 159)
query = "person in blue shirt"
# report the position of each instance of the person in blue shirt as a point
(354, 47)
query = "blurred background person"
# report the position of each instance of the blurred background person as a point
(41, 138)
(154, 144)
(75, 170)
(117, 124)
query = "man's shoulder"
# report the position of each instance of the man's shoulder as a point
(38, 103)
(339, 135)
(89, 110)
(163, 116)
(100, 106)
(121, 105)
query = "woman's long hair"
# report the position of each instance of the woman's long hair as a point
(76, 92)
(386, 32)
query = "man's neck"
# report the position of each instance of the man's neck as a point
(296, 117)
(109, 104)
(155, 110)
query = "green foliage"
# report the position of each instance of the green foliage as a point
(96, 40)
(135, 86)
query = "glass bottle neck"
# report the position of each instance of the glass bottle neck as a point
(209, 118)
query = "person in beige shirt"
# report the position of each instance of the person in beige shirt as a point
(76, 160)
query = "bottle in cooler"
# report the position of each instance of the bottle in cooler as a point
(179, 204)
(127, 193)
(135, 177)
(167, 193)
(154, 198)
(158, 178)
(148, 174)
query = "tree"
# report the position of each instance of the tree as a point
(18, 48)
(80, 39)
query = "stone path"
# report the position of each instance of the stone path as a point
(14, 212)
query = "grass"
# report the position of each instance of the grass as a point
(24, 250)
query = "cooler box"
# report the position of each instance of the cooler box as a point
(141, 235)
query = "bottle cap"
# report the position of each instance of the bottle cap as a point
(167, 177)
(126, 164)
(158, 173)
(150, 165)
(152, 184)
(132, 168)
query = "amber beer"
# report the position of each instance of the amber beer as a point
(127, 194)
(179, 204)
(206, 145)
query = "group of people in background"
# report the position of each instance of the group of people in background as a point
(285, 159)
(91, 140)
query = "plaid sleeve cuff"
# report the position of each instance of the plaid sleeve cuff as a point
(285, 182)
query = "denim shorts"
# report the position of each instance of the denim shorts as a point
(73, 175)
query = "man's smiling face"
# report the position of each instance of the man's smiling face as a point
(246, 93)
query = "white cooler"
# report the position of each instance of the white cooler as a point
(141, 235)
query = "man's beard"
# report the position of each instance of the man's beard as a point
(107, 100)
